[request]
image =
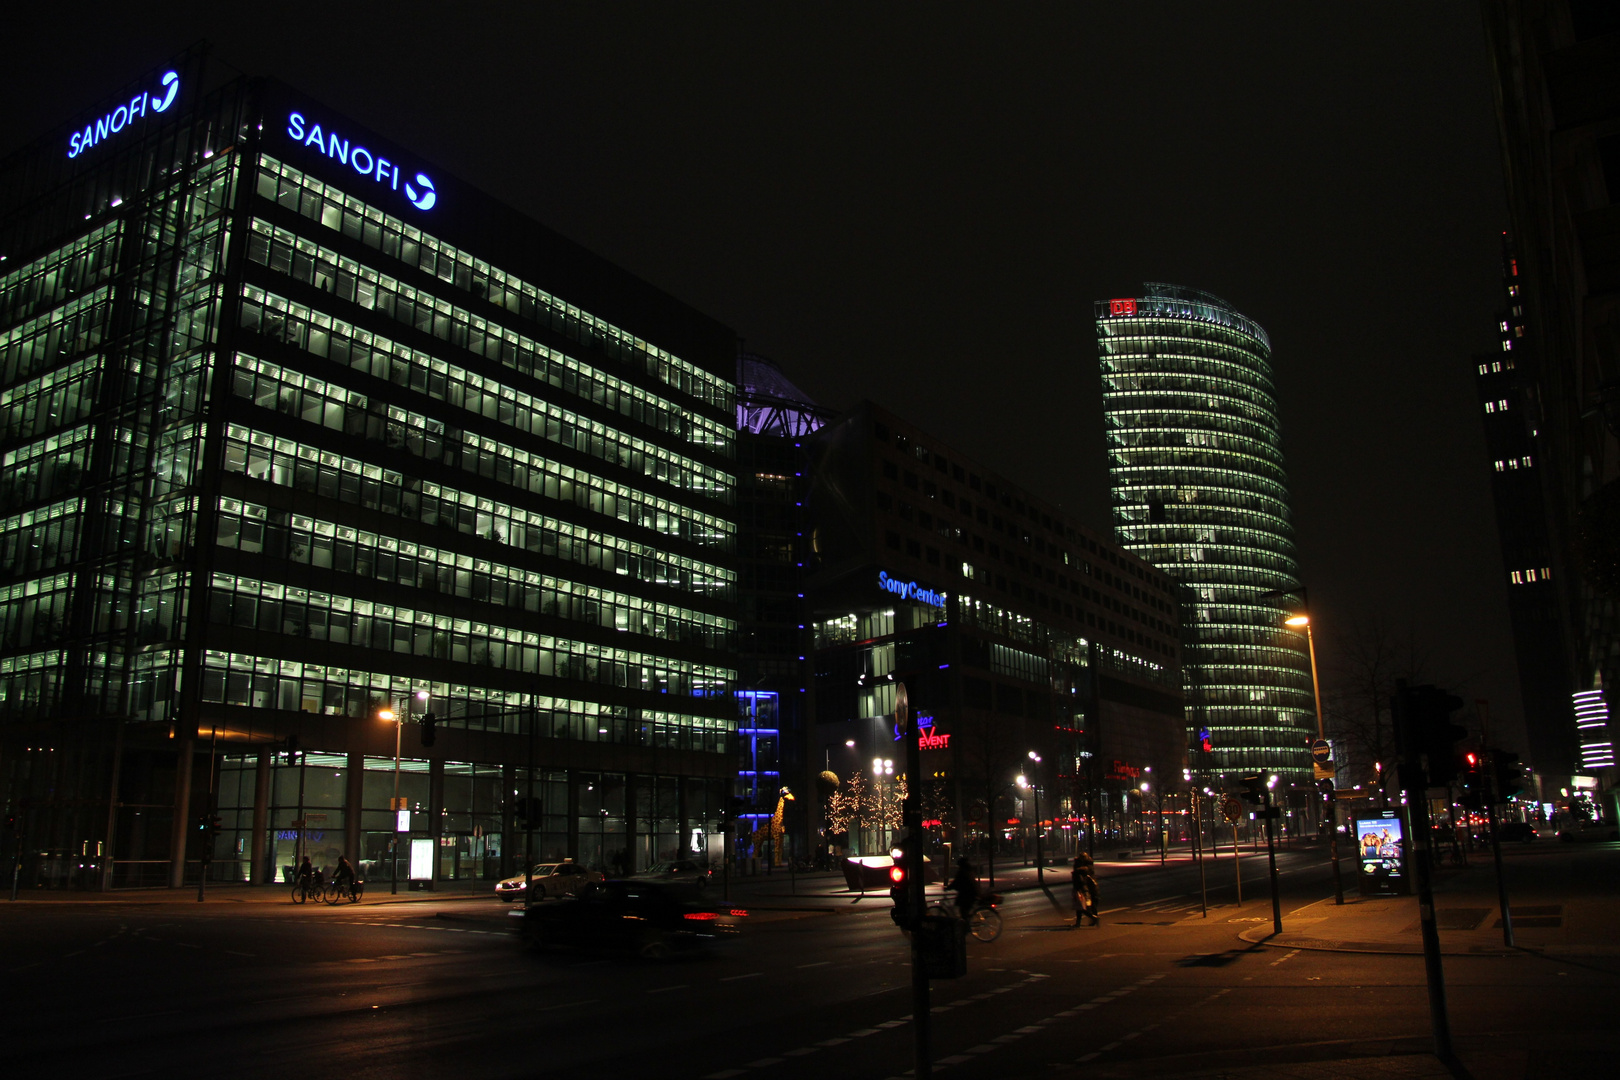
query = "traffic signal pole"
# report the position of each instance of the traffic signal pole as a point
(1271, 859)
(1427, 739)
(912, 855)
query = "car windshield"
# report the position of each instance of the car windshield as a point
(545, 868)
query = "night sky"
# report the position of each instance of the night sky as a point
(918, 203)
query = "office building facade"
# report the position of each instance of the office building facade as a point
(301, 431)
(1200, 492)
(1016, 632)
(1556, 76)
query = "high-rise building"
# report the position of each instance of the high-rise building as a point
(327, 475)
(1029, 647)
(1556, 68)
(1200, 492)
(1509, 411)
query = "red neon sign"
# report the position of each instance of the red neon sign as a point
(927, 740)
(1122, 307)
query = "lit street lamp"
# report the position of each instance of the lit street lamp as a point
(398, 719)
(881, 767)
(1035, 791)
(1297, 621)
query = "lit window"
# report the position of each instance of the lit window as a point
(1530, 575)
(1482, 369)
(1546, 572)
(1499, 466)
(1490, 406)
(1502, 404)
(1503, 324)
(1497, 366)
(1527, 462)
(1507, 346)
(1518, 578)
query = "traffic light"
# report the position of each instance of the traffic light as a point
(1428, 738)
(1472, 780)
(1255, 789)
(901, 912)
(428, 734)
(1509, 774)
(292, 750)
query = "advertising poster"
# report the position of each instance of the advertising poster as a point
(1382, 847)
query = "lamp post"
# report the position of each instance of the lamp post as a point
(881, 767)
(398, 718)
(1328, 802)
(1140, 806)
(1035, 792)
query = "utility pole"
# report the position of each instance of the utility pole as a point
(912, 854)
(1427, 740)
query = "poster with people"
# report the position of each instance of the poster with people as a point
(1383, 853)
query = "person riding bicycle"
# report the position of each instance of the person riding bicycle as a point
(306, 873)
(966, 887)
(343, 876)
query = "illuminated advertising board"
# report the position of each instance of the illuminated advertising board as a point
(1381, 848)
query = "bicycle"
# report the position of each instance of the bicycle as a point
(303, 889)
(351, 892)
(983, 921)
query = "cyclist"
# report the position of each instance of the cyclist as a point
(343, 876)
(306, 873)
(966, 887)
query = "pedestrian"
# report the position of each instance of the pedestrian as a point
(966, 886)
(1083, 881)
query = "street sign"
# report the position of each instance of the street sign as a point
(1321, 751)
(1321, 771)
(1232, 810)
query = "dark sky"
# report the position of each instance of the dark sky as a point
(918, 203)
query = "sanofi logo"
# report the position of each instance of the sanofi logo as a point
(419, 190)
(125, 114)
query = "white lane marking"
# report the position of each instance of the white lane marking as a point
(667, 989)
(750, 975)
(762, 1062)
(818, 963)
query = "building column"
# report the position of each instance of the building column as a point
(435, 813)
(572, 824)
(258, 872)
(179, 833)
(632, 814)
(353, 796)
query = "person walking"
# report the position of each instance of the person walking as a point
(1083, 881)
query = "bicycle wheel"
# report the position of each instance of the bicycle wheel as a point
(298, 894)
(334, 893)
(985, 924)
(355, 890)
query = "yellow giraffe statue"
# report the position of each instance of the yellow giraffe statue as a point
(774, 831)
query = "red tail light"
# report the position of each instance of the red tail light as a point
(700, 915)
(739, 912)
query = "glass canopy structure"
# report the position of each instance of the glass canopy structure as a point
(1199, 491)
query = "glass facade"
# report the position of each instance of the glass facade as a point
(1199, 491)
(275, 457)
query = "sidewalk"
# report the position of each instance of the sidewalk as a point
(1466, 912)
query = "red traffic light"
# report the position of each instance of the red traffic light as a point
(897, 874)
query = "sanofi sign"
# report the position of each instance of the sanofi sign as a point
(910, 590)
(419, 190)
(137, 107)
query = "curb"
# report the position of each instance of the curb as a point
(1260, 936)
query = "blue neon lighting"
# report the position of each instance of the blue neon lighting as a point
(124, 115)
(909, 590)
(419, 191)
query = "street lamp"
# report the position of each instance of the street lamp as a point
(881, 767)
(1035, 792)
(1142, 804)
(386, 714)
(1295, 622)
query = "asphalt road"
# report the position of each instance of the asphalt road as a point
(432, 989)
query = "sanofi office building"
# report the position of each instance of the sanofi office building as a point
(300, 432)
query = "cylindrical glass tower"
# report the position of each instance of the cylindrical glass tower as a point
(1199, 491)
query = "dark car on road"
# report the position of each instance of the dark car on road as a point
(648, 919)
(1518, 830)
(677, 872)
